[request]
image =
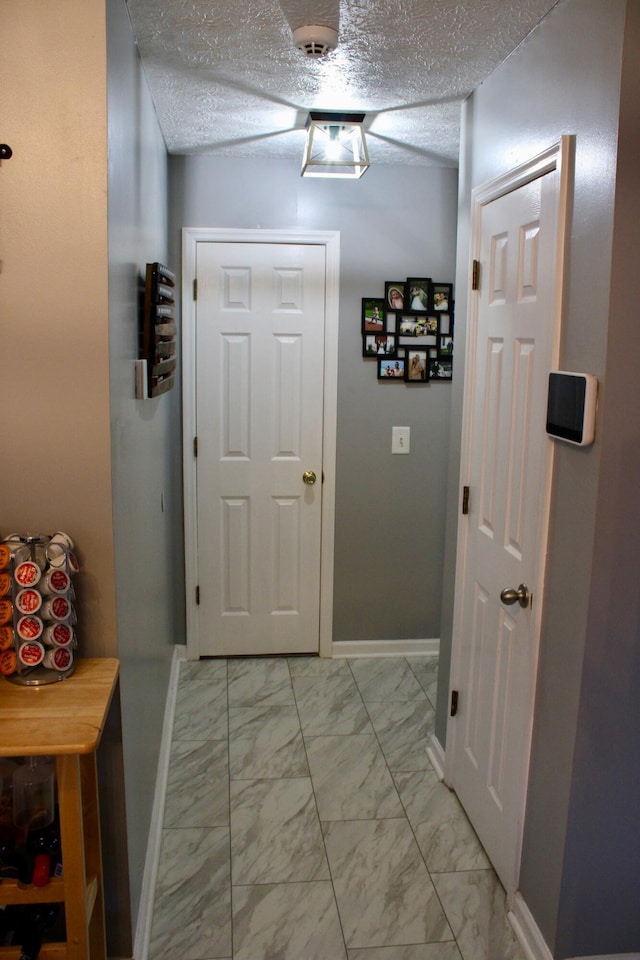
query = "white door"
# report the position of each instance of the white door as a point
(260, 315)
(507, 466)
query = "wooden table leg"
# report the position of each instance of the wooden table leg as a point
(81, 860)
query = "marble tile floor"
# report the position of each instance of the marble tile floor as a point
(303, 821)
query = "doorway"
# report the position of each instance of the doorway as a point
(518, 225)
(260, 319)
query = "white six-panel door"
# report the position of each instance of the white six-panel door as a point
(507, 466)
(260, 317)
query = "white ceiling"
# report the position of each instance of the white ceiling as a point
(227, 79)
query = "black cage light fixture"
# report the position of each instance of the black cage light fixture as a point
(335, 146)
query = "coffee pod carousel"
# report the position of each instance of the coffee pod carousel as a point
(37, 613)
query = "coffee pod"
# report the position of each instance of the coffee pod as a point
(63, 538)
(6, 610)
(58, 635)
(56, 608)
(58, 659)
(27, 573)
(31, 653)
(28, 601)
(7, 636)
(5, 584)
(5, 556)
(29, 627)
(8, 662)
(56, 553)
(55, 582)
(74, 566)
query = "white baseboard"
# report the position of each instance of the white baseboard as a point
(527, 931)
(385, 648)
(436, 755)
(150, 875)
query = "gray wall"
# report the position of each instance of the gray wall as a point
(145, 439)
(566, 79)
(395, 222)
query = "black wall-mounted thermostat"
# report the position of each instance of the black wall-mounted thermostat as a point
(571, 409)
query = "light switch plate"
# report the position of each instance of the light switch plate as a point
(400, 439)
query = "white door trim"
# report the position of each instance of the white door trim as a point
(330, 239)
(557, 157)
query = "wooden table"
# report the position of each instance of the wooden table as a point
(65, 720)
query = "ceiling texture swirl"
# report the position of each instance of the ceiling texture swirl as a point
(227, 79)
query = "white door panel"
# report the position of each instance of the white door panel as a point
(259, 399)
(507, 463)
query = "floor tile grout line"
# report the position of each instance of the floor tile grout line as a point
(315, 800)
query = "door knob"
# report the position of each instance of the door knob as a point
(309, 477)
(521, 595)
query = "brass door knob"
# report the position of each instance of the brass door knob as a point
(309, 477)
(522, 595)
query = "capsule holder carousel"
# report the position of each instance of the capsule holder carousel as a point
(37, 613)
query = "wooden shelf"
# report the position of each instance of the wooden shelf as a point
(65, 720)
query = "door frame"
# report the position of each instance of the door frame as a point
(558, 157)
(330, 240)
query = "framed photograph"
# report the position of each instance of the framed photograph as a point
(445, 346)
(445, 323)
(442, 294)
(417, 326)
(440, 371)
(394, 294)
(418, 294)
(379, 345)
(391, 369)
(372, 315)
(416, 368)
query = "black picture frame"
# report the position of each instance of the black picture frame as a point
(395, 294)
(417, 325)
(442, 297)
(372, 309)
(445, 345)
(371, 343)
(418, 295)
(416, 368)
(440, 370)
(391, 369)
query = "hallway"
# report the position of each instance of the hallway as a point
(303, 821)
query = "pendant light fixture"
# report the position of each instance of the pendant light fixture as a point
(335, 146)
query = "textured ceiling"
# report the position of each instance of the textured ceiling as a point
(227, 79)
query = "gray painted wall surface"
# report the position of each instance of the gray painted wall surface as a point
(145, 440)
(599, 900)
(566, 79)
(395, 222)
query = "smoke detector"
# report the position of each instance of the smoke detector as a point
(315, 41)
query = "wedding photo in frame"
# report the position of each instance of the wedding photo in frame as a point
(417, 294)
(391, 369)
(440, 370)
(395, 294)
(373, 312)
(410, 325)
(379, 345)
(445, 346)
(416, 365)
(442, 294)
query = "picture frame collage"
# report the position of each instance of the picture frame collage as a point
(409, 331)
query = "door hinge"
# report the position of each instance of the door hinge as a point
(195, 446)
(475, 275)
(198, 595)
(195, 288)
(454, 702)
(465, 501)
